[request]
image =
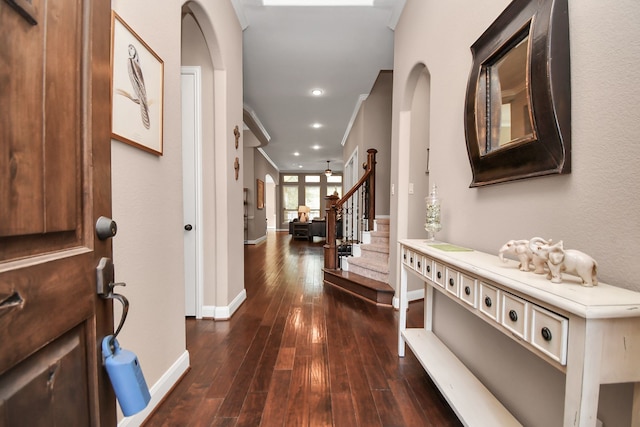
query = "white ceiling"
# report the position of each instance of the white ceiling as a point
(288, 51)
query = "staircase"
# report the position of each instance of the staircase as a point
(367, 276)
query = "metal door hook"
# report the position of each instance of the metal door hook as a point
(125, 310)
(105, 274)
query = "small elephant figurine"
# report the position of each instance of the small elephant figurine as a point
(561, 260)
(521, 249)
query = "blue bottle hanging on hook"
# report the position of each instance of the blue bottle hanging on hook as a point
(122, 365)
(126, 377)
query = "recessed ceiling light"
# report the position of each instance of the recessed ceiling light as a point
(296, 154)
(317, 92)
(316, 125)
(317, 2)
(300, 166)
(316, 147)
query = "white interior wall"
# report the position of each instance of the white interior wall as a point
(147, 193)
(592, 209)
(270, 202)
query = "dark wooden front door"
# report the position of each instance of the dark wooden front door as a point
(54, 184)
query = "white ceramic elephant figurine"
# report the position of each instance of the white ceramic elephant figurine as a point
(521, 249)
(561, 260)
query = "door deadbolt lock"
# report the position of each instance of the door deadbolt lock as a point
(106, 228)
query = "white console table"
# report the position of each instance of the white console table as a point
(590, 334)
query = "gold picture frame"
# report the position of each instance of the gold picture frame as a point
(260, 194)
(137, 89)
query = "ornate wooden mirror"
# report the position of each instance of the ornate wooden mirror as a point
(518, 104)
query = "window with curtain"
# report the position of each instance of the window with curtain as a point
(312, 200)
(334, 185)
(290, 197)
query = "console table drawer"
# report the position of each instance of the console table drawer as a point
(515, 313)
(427, 269)
(452, 282)
(407, 255)
(438, 274)
(489, 301)
(468, 290)
(418, 263)
(549, 333)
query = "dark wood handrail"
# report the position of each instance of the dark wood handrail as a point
(333, 203)
(355, 188)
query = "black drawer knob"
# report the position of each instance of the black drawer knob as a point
(404, 257)
(411, 260)
(428, 268)
(546, 334)
(487, 301)
(439, 274)
(451, 281)
(513, 315)
(467, 290)
(418, 264)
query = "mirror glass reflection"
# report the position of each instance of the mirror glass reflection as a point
(506, 99)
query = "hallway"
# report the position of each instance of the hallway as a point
(299, 353)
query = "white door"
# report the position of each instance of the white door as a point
(270, 202)
(350, 178)
(191, 185)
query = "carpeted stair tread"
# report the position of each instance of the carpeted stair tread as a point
(375, 247)
(372, 265)
(380, 234)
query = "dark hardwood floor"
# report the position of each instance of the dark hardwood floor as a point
(300, 353)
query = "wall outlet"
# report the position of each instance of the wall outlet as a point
(411, 188)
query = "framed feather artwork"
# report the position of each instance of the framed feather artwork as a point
(137, 89)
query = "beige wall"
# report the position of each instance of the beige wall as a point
(257, 167)
(372, 129)
(147, 192)
(594, 209)
(355, 140)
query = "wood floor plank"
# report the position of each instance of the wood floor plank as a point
(437, 411)
(344, 414)
(388, 409)
(271, 351)
(301, 354)
(275, 408)
(299, 391)
(237, 345)
(285, 360)
(244, 376)
(251, 413)
(205, 413)
(412, 414)
(320, 387)
(335, 348)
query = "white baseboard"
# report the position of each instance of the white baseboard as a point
(416, 295)
(159, 391)
(224, 312)
(255, 242)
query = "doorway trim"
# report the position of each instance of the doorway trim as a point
(194, 74)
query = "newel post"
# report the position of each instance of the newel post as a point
(371, 166)
(330, 255)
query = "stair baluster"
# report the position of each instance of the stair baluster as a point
(335, 205)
